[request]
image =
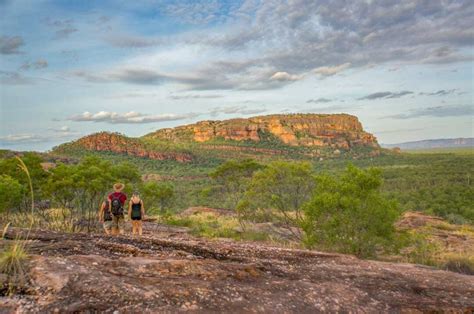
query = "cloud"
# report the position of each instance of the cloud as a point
(330, 109)
(21, 138)
(285, 76)
(331, 70)
(385, 95)
(65, 32)
(194, 96)
(14, 78)
(243, 110)
(194, 12)
(329, 36)
(441, 92)
(128, 41)
(261, 45)
(37, 65)
(62, 129)
(318, 101)
(26, 138)
(129, 117)
(139, 76)
(10, 44)
(62, 28)
(438, 111)
(408, 130)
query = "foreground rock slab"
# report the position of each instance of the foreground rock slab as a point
(97, 273)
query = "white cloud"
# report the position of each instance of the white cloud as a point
(331, 70)
(243, 110)
(285, 76)
(58, 134)
(131, 117)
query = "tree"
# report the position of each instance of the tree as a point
(349, 214)
(61, 185)
(11, 193)
(233, 178)
(281, 186)
(128, 174)
(158, 195)
(11, 167)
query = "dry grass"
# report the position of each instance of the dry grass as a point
(459, 263)
(13, 265)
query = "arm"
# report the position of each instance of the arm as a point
(101, 212)
(143, 209)
(110, 204)
(130, 210)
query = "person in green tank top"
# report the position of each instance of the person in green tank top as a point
(136, 212)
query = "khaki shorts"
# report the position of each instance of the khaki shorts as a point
(117, 222)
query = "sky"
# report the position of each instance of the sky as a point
(71, 68)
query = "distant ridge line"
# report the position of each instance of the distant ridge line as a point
(434, 143)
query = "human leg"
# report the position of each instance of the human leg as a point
(120, 225)
(140, 228)
(107, 226)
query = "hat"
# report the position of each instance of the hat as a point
(118, 187)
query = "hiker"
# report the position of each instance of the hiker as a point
(105, 217)
(136, 212)
(116, 202)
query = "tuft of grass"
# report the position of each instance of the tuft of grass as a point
(13, 265)
(5, 229)
(459, 263)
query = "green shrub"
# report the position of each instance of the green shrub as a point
(349, 214)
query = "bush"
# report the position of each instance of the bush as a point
(349, 214)
(281, 188)
(11, 193)
(158, 196)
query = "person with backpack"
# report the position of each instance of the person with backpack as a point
(136, 212)
(116, 203)
(105, 217)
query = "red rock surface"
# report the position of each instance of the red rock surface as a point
(331, 130)
(171, 272)
(116, 143)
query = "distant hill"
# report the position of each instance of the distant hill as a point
(299, 136)
(435, 143)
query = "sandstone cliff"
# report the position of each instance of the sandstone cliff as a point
(318, 130)
(117, 143)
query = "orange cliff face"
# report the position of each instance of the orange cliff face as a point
(330, 130)
(116, 143)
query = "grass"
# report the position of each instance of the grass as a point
(459, 263)
(428, 245)
(210, 225)
(13, 264)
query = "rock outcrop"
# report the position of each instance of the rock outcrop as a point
(85, 273)
(120, 144)
(311, 130)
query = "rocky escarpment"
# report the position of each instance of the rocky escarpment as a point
(117, 143)
(311, 130)
(170, 272)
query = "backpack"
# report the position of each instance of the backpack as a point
(116, 205)
(136, 210)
